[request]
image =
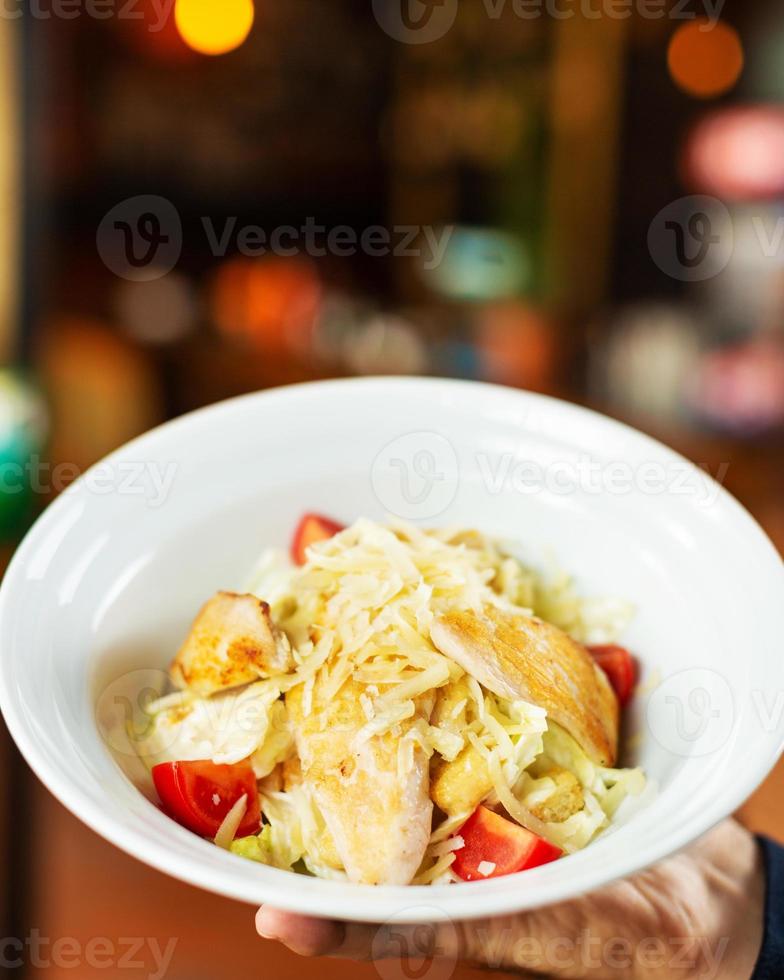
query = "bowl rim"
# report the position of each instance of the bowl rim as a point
(406, 904)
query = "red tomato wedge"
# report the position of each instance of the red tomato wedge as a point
(311, 529)
(198, 795)
(494, 846)
(620, 668)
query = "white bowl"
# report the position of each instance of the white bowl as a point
(108, 580)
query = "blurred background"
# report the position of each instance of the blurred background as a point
(201, 198)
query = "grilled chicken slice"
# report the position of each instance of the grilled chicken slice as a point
(379, 817)
(523, 658)
(233, 641)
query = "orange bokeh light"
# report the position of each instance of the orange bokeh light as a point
(214, 26)
(705, 59)
(271, 303)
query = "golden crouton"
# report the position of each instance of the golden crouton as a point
(460, 786)
(565, 799)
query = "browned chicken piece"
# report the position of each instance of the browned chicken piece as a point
(521, 657)
(233, 641)
(566, 798)
(460, 786)
(379, 817)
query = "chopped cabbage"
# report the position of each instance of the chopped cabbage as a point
(255, 848)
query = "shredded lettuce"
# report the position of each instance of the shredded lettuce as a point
(255, 848)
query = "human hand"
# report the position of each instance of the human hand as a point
(697, 914)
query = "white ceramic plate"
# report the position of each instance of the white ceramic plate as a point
(110, 577)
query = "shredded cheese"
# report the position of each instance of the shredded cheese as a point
(231, 823)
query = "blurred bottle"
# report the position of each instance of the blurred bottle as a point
(22, 432)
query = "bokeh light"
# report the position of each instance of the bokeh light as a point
(272, 303)
(386, 345)
(516, 344)
(741, 387)
(158, 311)
(705, 59)
(154, 33)
(214, 26)
(738, 153)
(479, 264)
(646, 363)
